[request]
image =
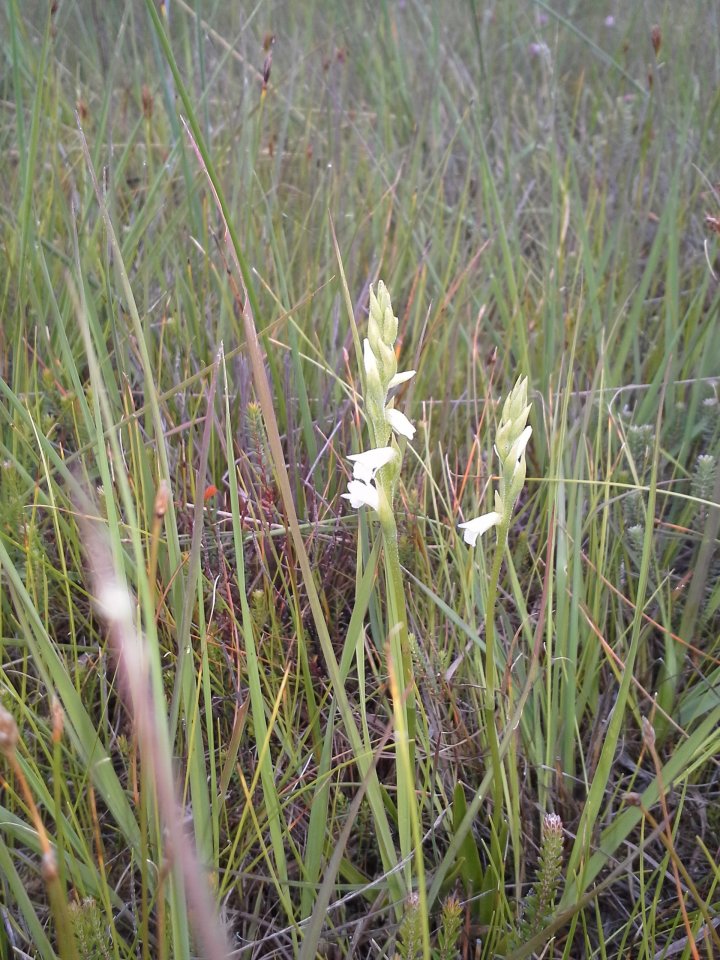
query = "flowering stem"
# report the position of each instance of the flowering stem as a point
(404, 703)
(491, 696)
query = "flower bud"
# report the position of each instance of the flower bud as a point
(372, 370)
(390, 327)
(383, 298)
(388, 364)
(516, 402)
(517, 480)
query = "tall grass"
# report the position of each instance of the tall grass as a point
(196, 199)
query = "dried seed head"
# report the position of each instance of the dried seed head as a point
(267, 67)
(9, 735)
(58, 720)
(656, 38)
(648, 732)
(49, 866)
(147, 102)
(162, 499)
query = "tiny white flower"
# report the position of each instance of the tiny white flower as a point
(517, 450)
(399, 422)
(367, 464)
(362, 494)
(472, 529)
(401, 378)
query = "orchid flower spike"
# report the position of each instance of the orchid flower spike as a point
(511, 440)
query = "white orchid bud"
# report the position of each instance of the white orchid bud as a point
(388, 363)
(390, 327)
(372, 368)
(399, 423)
(516, 402)
(401, 378)
(383, 298)
(514, 467)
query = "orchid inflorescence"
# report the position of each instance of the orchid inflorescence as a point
(375, 472)
(385, 421)
(511, 442)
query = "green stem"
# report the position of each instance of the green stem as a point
(491, 701)
(490, 681)
(405, 718)
(398, 627)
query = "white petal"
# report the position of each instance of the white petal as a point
(401, 378)
(518, 448)
(399, 422)
(366, 465)
(472, 529)
(362, 494)
(371, 365)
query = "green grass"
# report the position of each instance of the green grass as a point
(187, 262)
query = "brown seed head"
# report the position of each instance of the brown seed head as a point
(656, 38)
(49, 866)
(267, 67)
(58, 718)
(162, 499)
(147, 102)
(648, 732)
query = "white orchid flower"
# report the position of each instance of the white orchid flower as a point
(367, 464)
(372, 369)
(401, 378)
(362, 494)
(399, 422)
(517, 450)
(472, 529)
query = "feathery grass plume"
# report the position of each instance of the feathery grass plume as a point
(116, 606)
(538, 906)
